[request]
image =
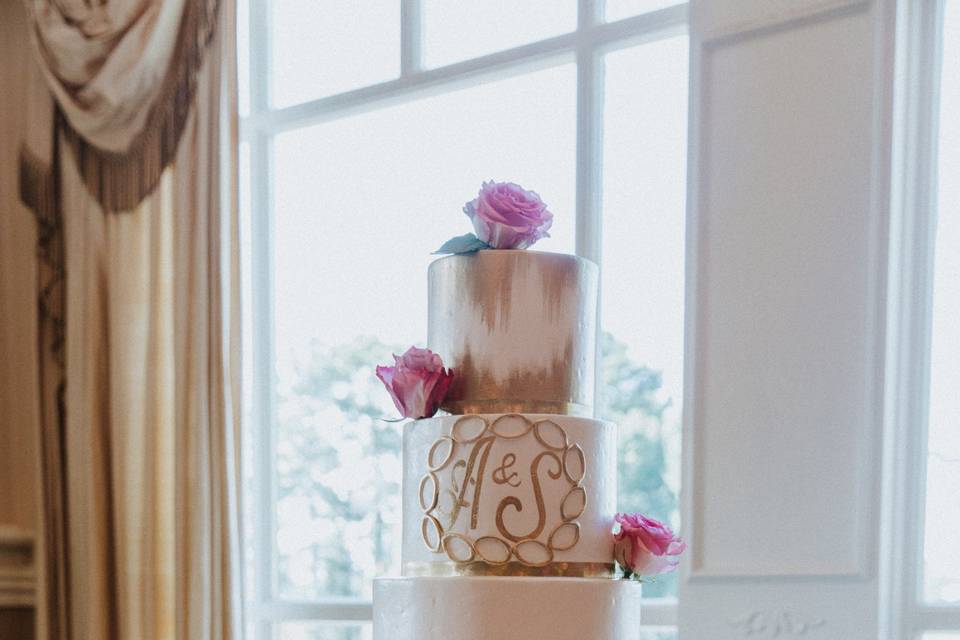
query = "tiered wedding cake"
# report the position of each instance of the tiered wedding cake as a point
(509, 501)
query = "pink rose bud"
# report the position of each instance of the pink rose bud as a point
(417, 383)
(507, 216)
(646, 547)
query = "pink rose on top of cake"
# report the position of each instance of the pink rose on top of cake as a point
(507, 216)
(645, 547)
(417, 382)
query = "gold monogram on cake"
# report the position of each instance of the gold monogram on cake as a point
(480, 457)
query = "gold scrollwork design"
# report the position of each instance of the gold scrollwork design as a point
(436, 466)
(579, 504)
(557, 533)
(447, 504)
(457, 432)
(482, 544)
(438, 530)
(515, 502)
(498, 429)
(527, 550)
(574, 478)
(435, 497)
(449, 545)
(503, 475)
(524, 557)
(540, 431)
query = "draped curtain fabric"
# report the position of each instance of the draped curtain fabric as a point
(129, 164)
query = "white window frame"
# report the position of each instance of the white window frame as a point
(586, 46)
(904, 614)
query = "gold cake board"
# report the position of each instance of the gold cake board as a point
(510, 569)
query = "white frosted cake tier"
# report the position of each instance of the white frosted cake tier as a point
(468, 608)
(508, 494)
(518, 328)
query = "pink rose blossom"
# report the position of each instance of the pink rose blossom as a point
(507, 216)
(646, 547)
(417, 383)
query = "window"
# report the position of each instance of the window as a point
(941, 567)
(364, 130)
(930, 587)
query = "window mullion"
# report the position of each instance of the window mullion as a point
(934, 618)
(261, 308)
(260, 56)
(589, 13)
(589, 151)
(411, 37)
(913, 222)
(262, 384)
(329, 610)
(589, 144)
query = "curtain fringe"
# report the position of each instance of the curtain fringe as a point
(40, 192)
(120, 181)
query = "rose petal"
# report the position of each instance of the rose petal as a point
(654, 549)
(386, 376)
(418, 383)
(507, 216)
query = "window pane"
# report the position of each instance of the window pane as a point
(323, 48)
(620, 9)
(941, 555)
(322, 631)
(644, 177)
(359, 204)
(247, 465)
(455, 31)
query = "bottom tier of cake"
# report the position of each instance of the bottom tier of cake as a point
(509, 608)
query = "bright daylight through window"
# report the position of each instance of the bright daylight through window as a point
(941, 583)
(361, 144)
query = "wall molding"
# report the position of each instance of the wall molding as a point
(916, 99)
(17, 568)
(793, 16)
(776, 624)
(860, 562)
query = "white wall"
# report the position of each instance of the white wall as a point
(18, 373)
(788, 217)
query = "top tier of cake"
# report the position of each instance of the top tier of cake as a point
(519, 330)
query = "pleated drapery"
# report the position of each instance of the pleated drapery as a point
(138, 289)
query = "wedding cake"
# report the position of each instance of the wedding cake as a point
(509, 495)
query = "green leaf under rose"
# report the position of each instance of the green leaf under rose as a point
(467, 243)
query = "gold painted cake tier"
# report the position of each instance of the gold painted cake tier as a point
(519, 330)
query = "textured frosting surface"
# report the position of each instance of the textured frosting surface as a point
(518, 328)
(508, 494)
(505, 609)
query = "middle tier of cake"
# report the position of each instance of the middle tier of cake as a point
(508, 494)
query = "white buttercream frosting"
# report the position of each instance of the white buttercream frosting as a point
(467, 608)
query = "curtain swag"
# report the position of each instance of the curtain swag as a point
(122, 74)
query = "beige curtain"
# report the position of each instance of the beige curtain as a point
(139, 281)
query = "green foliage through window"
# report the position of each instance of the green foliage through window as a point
(338, 467)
